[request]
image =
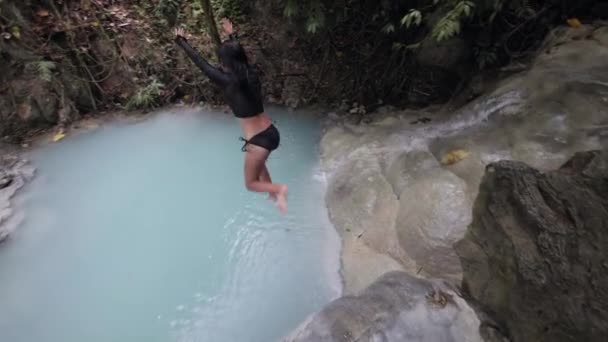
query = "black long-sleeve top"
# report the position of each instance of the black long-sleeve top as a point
(244, 98)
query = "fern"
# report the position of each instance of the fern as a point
(316, 18)
(485, 57)
(146, 97)
(43, 69)
(449, 25)
(314, 23)
(291, 8)
(414, 17)
(388, 28)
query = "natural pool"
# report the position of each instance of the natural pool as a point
(145, 232)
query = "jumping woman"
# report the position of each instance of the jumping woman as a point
(242, 90)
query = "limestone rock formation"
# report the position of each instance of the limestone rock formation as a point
(14, 173)
(535, 256)
(395, 308)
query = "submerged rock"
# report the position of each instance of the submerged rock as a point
(395, 308)
(535, 255)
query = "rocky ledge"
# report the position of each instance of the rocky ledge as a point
(14, 173)
(401, 184)
(535, 255)
(397, 307)
(535, 269)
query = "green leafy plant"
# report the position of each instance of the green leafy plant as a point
(485, 56)
(449, 25)
(412, 18)
(168, 11)
(146, 97)
(290, 8)
(43, 69)
(228, 8)
(388, 28)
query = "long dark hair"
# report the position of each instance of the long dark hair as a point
(232, 55)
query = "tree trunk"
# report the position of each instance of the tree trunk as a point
(210, 20)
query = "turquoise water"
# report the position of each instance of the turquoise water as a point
(145, 232)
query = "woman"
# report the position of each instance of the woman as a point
(241, 87)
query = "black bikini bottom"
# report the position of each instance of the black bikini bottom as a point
(268, 139)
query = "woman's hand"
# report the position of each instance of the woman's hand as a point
(180, 32)
(227, 25)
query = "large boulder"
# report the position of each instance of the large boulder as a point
(363, 207)
(395, 308)
(434, 211)
(535, 254)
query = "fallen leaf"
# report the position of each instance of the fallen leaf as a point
(58, 136)
(574, 23)
(454, 157)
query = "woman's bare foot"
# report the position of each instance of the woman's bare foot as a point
(282, 199)
(272, 197)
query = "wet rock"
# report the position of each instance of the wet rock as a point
(404, 170)
(395, 308)
(5, 180)
(535, 255)
(421, 120)
(293, 91)
(37, 104)
(540, 117)
(333, 116)
(434, 211)
(336, 143)
(14, 173)
(363, 207)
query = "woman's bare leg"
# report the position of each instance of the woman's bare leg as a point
(255, 160)
(265, 177)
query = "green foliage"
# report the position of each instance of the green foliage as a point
(485, 57)
(197, 9)
(414, 17)
(10, 13)
(315, 22)
(313, 10)
(43, 69)
(228, 8)
(409, 22)
(388, 28)
(168, 11)
(146, 97)
(290, 9)
(449, 25)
